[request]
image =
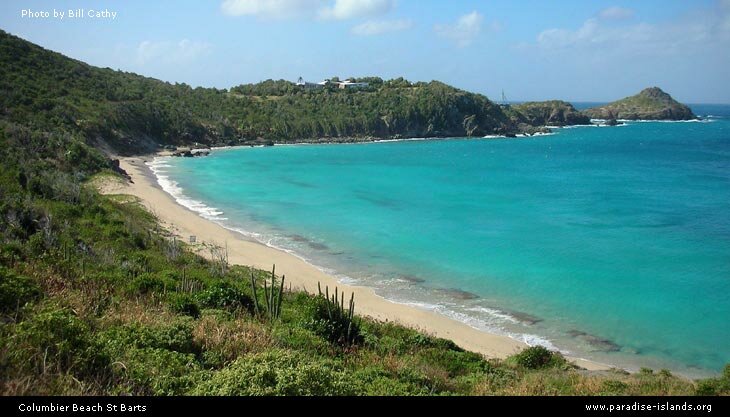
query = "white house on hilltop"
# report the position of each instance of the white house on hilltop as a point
(340, 84)
(350, 84)
(310, 86)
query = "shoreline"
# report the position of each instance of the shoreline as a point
(243, 250)
(358, 140)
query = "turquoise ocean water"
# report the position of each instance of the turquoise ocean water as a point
(611, 244)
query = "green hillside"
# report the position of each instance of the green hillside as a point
(134, 113)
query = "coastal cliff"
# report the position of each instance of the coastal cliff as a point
(650, 104)
(548, 113)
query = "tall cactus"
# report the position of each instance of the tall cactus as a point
(337, 314)
(255, 298)
(273, 296)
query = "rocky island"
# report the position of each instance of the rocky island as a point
(650, 104)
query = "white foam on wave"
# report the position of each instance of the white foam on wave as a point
(172, 187)
(580, 126)
(213, 214)
(494, 312)
(598, 122)
(363, 142)
(534, 340)
(402, 140)
(519, 135)
(662, 121)
(490, 321)
(284, 244)
(420, 305)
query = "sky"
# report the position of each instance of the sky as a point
(576, 50)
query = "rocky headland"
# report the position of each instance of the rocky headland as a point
(650, 104)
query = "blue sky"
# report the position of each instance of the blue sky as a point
(578, 50)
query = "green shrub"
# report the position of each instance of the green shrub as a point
(374, 380)
(159, 360)
(537, 357)
(711, 386)
(613, 387)
(37, 244)
(55, 338)
(169, 276)
(326, 320)
(213, 359)
(149, 283)
(217, 314)
(418, 377)
(224, 295)
(455, 362)
(715, 386)
(177, 337)
(84, 158)
(184, 304)
(279, 372)
(10, 252)
(297, 308)
(301, 339)
(155, 371)
(394, 338)
(419, 339)
(16, 290)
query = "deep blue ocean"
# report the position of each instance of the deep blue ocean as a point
(609, 243)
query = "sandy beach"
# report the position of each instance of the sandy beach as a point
(301, 275)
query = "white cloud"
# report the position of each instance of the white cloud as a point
(700, 30)
(181, 52)
(563, 38)
(464, 31)
(686, 54)
(616, 13)
(309, 9)
(379, 27)
(349, 9)
(272, 9)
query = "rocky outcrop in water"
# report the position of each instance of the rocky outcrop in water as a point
(650, 104)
